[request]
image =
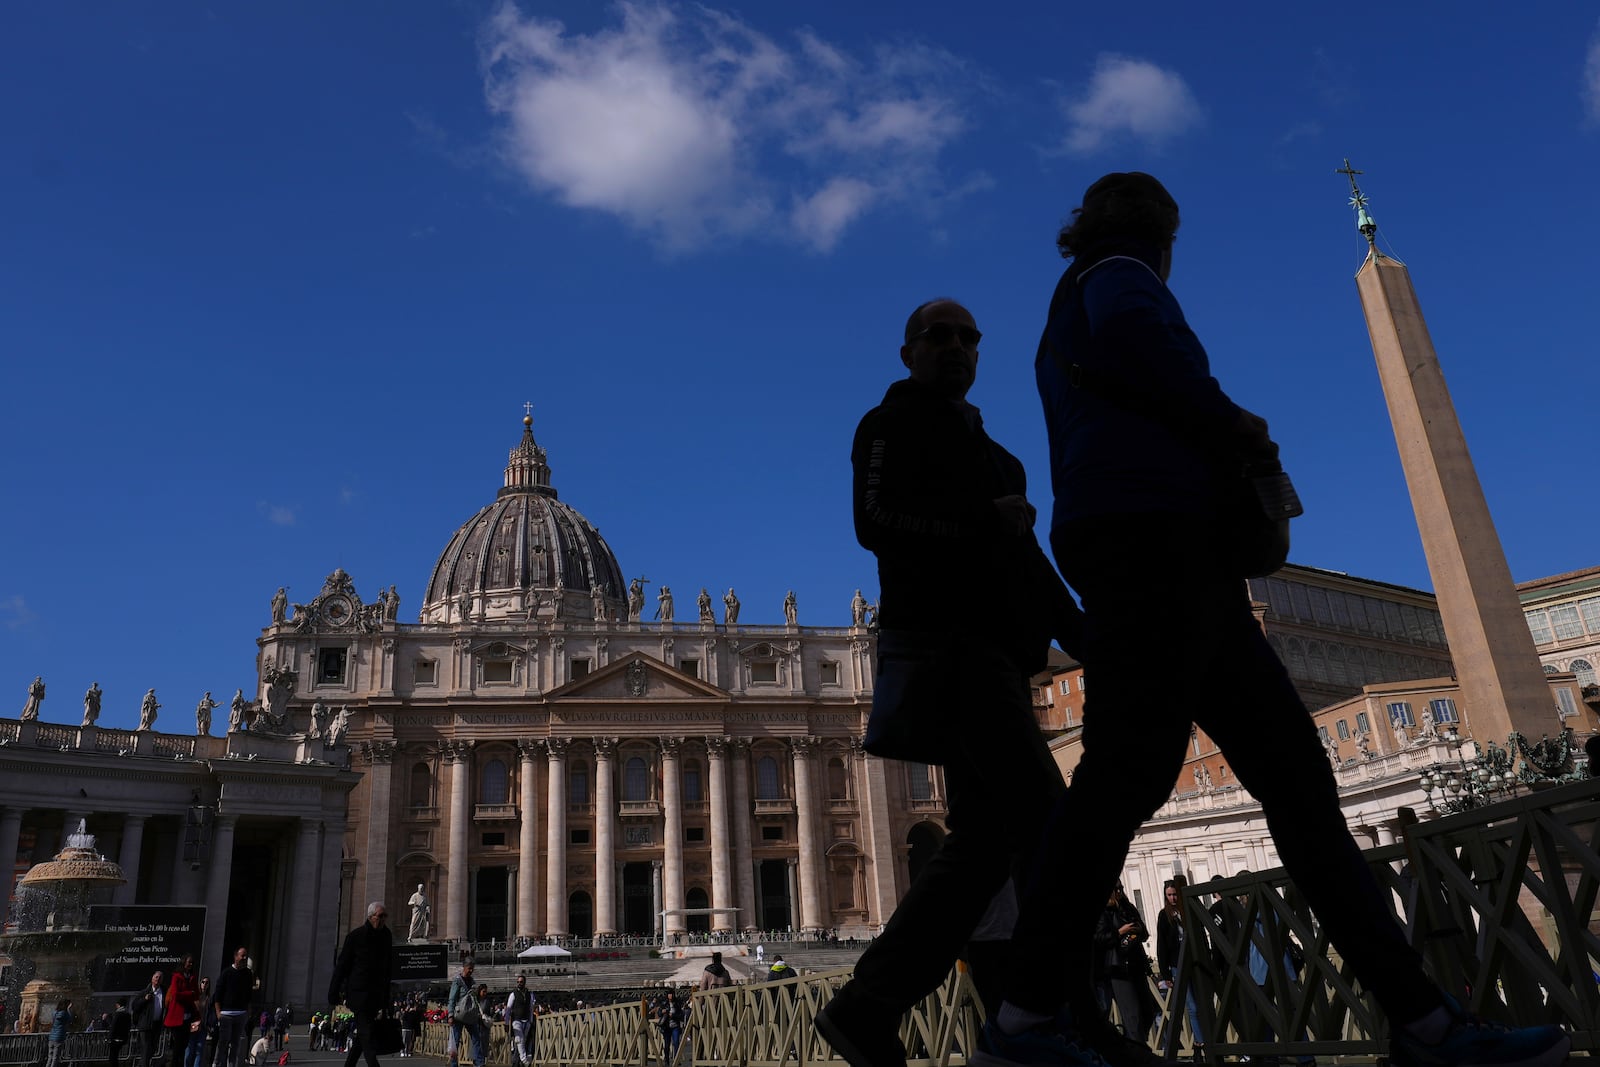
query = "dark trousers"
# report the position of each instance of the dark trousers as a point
(113, 1052)
(149, 1041)
(1139, 573)
(361, 1039)
(178, 1042)
(999, 786)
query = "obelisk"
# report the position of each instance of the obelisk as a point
(1502, 683)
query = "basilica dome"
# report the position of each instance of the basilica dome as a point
(527, 555)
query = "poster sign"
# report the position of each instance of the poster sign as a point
(159, 936)
(420, 963)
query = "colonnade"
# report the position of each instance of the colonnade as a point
(731, 810)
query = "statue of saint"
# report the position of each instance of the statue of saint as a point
(202, 715)
(664, 604)
(91, 704)
(319, 719)
(636, 599)
(703, 602)
(280, 605)
(30, 710)
(391, 605)
(597, 601)
(147, 710)
(730, 607)
(236, 713)
(421, 915)
(791, 609)
(858, 610)
(336, 729)
(463, 605)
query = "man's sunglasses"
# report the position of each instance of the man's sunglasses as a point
(942, 333)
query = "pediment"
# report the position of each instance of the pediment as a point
(638, 677)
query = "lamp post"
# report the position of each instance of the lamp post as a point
(1472, 781)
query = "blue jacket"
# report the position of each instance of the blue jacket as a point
(1113, 315)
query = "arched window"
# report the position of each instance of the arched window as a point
(921, 781)
(768, 786)
(635, 780)
(838, 784)
(578, 784)
(421, 786)
(691, 782)
(492, 787)
(1584, 670)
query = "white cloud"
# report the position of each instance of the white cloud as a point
(1591, 78)
(1130, 97)
(15, 613)
(822, 217)
(277, 514)
(688, 124)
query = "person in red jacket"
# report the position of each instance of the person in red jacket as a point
(182, 993)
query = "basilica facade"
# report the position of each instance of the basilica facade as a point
(544, 761)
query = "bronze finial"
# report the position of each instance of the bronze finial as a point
(1358, 200)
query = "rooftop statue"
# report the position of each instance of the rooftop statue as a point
(30, 710)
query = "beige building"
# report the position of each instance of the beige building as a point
(546, 760)
(250, 825)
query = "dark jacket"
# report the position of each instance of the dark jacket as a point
(143, 1006)
(1170, 936)
(1114, 955)
(926, 476)
(361, 975)
(233, 989)
(121, 1026)
(1113, 315)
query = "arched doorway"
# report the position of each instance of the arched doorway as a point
(580, 914)
(697, 924)
(924, 840)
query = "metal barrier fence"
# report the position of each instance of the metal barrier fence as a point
(1499, 901)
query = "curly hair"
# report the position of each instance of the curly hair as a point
(1131, 205)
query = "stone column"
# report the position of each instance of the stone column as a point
(795, 919)
(721, 881)
(655, 896)
(380, 765)
(880, 843)
(302, 915)
(217, 881)
(1385, 834)
(555, 875)
(327, 931)
(10, 830)
(805, 750)
(743, 857)
(605, 840)
(672, 847)
(127, 859)
(458, 752)
(527, 924)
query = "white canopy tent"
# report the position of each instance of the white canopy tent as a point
(554, 953)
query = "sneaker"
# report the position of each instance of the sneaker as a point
(864, 1035)
(1040, 1046)
(1475, 1042)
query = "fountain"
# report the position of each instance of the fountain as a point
(53, 931)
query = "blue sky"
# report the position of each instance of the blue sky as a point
(276, 280)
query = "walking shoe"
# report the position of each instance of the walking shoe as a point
(1040, 1046)
(865, 1035)
(1474, 1042)
(1115, 1047)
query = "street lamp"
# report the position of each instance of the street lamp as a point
(1472, 781)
